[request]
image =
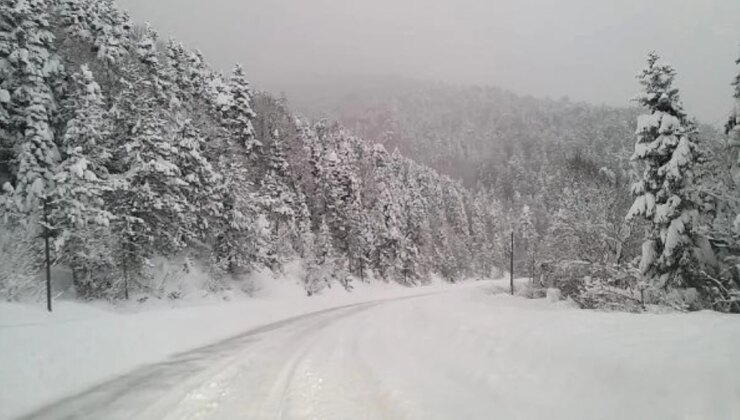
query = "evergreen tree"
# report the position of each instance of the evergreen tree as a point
(668, 153)
(321, 269)
(82, 180)
(29, 71)
(240, 113)
(732, 128)
(29, 67)
(111, 29)
(203, 183)
(241, 242)
(528, 240)
(278, 198)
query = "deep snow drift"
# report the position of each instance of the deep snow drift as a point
(459, 353)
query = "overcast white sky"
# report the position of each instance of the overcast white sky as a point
(585, 49)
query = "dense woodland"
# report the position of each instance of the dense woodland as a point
(117, 147)
(566, 172)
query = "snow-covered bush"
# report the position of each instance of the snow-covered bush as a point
(553, 295)
(604, 293)
(596, 286)
(530, 291)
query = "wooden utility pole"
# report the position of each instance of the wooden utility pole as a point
(511, 264)
(47, 233)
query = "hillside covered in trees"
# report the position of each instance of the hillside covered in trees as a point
(562, 172)
(119, 147)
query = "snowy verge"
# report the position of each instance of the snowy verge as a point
(50, 356)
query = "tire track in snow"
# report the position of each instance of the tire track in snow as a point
(140, 393)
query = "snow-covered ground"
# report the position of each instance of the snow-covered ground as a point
(44, 357)
(460, 352)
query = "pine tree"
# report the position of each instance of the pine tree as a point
(321, 269)
(668, 153)
(240, 113)
(362, 241)
(479, 235)
(241, 243)
(82, 181)
(388, 230)
(150, 195)
(409, 261)
(203, 190)
(30, 69)
(74, 15)
(111, 30)
(732, 128)
(528, 240)
(278, 198)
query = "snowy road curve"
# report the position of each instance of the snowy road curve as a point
(462, 354)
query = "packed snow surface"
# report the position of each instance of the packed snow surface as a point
(456, 352)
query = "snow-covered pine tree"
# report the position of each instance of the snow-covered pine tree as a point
(29, 68)
(240, 112)
(457, 219)
(278, 198)
(732, 128)
(241, 242)
(415, 227)
(479, 235)
(388, 216)
(79, 211)
(75, 18)
(408, 261)
(203, 190)
(177, 74)
(528, 239)
(303, 238)
(111, 30)
(321, 268)
(726, 227)
(667, 151)
(361, 241)
(150, 195)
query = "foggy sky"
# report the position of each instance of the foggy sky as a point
(585, 49)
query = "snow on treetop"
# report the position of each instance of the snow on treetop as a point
(646, 122)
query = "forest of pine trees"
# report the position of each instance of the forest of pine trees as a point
(118, 147)
(565, 175)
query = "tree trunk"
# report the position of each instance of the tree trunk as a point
(125, 273)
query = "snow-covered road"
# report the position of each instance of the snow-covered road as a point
(460, 354)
